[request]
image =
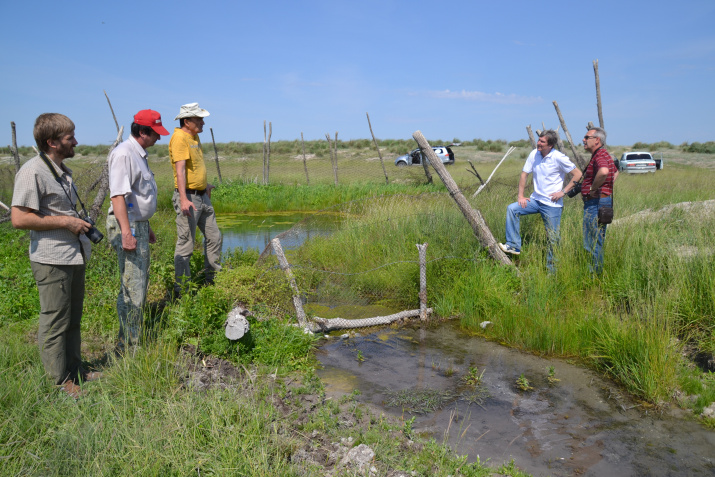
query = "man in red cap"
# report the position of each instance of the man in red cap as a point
(133, 193)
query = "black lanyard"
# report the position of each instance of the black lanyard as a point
(59, 181)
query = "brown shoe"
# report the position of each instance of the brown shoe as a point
(92, 376)
(72, 389)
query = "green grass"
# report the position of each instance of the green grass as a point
(656, 296)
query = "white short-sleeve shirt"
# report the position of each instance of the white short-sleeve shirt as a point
(130, 176)
(549, 173)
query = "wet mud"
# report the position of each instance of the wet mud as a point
(571, 422)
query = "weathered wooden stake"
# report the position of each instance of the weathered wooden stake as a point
(531, 136)
(13, 148)
(218, 168)
(104, 179)
(285, 266)
(111, 109)
(598, 94)
(423, 280)
(473, 216)
(577, 157)
(387, 181)
(305, 164)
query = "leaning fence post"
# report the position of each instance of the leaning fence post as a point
(218, 168)
(423, 280)
(285, 266)
(305, 165)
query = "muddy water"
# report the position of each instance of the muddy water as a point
(579, 425)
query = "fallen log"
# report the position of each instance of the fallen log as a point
(323, 325)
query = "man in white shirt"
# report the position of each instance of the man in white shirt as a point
(133, 193)
(549, 168)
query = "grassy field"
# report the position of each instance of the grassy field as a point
(645, 322)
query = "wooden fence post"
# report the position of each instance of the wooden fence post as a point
(13, 148)
(305, 164)
(422, 249)
(531, 136)
(473, 216)
(598, 94)
(218, 168)
(577, 157)
(285, 266)
(387, 181)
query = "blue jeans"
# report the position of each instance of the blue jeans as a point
(552, 221)
(594, 234)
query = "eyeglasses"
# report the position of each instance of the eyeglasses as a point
(586, 138)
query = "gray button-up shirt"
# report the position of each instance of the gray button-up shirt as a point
(37, 189)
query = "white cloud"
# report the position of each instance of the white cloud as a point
(480, 96)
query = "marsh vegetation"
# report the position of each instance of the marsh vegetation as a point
(647, 322)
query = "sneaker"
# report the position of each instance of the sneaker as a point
(506, 248)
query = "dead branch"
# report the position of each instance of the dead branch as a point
(473, 216)
(324, 325)
(474, 171)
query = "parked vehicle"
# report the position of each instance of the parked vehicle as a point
(637, 162)
(414, 158)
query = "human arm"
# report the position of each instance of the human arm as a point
(598, 181)
(184, 201)
(119, 207)
(575, 177)
(209, 188)
(522, 185)
(25, 218)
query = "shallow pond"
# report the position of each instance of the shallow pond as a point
(255, 231)
(575, 423)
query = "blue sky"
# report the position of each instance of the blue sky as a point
(451, 69)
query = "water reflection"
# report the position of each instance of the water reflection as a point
(255, 231)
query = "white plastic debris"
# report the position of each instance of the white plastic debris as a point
(236, 324)
(484, 324)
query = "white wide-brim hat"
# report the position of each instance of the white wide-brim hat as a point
(191, 110)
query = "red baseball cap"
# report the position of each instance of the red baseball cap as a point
(148, 117)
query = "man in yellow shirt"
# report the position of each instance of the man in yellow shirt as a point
(192, 198)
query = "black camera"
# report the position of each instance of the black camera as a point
(93, 233)
(575, 190)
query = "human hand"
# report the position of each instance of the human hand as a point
(523, 201)
(186, 207)
(129, 243)
(76, 225)
(152, 237)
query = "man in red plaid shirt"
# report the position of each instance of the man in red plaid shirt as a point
(597, 192)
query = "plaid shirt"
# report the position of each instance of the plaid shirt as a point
(37, 189)
(600, 158)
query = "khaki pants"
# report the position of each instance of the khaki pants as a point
(203, 217)
(133, 279)
(61, 289)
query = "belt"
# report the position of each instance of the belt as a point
(193, 191)
(602, 196)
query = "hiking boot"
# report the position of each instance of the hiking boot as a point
(506, 248)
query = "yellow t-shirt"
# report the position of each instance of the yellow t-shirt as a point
(185, 147)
